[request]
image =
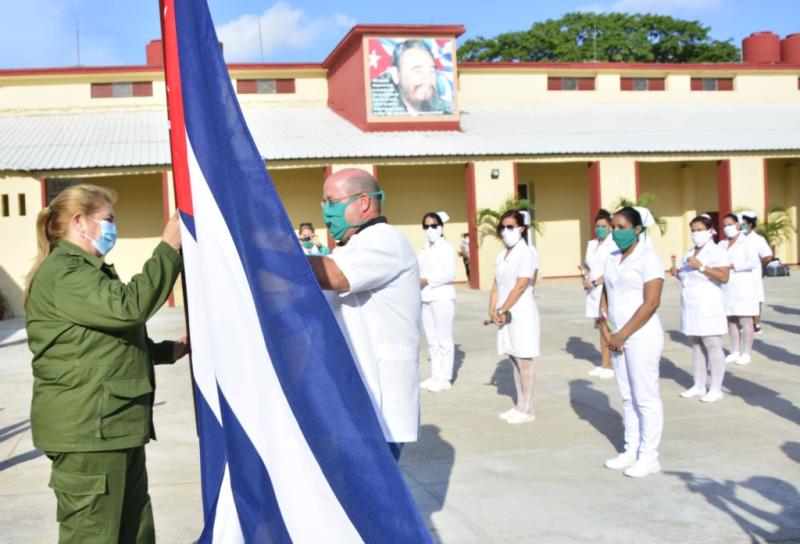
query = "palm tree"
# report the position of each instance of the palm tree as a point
(486, 219)
(777, 227)
(646, 200)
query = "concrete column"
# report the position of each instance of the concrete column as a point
(619, 178)
(747, 184)
(484, 191)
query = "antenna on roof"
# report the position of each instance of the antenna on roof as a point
(260, 42)
(78, 41)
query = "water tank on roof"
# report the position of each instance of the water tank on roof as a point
(761, 47)
(790, 49)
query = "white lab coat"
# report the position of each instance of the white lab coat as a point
(437, 264)
(597, 252)
(762, 249)
(519, 338)
(702, 299)
(741, 293)
(624, 283)
(380, 318)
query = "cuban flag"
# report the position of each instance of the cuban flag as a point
(290, 447)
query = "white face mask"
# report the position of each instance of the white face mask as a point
(731, 231)
(433, 234)
(511, 237)
(701, 237)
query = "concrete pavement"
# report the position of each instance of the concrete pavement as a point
(731, 469)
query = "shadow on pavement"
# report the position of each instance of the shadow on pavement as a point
(437, 456)
(775, 353)
(14, 429)
(581, 349)
(593, 406)
(793, 329)
(458, 360)
(21, 458)
(792, 450)
(680, 376)
(680, 338)
(755, 522)
(503, 380)
(785, 309)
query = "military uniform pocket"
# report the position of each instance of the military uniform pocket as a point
(77, 495)
(125, 407)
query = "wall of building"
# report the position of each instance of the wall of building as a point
(18, 233)
(300, 190)
(561, 199)
(784, 192)
(413, 190)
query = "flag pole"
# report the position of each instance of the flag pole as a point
(177, 132)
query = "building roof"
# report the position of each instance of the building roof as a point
(139, 137)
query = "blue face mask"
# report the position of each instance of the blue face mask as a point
(333, 215)
(108, 237)
(624, 238)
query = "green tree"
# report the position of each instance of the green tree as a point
(613, 37)
(487, 219)
(646, 200)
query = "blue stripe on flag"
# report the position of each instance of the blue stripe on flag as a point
(259, 514)
(309, 353)
(188, 221)
(212, 461)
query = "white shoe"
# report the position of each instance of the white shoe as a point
(508, 413)
(520, 417)
(605, 373)
(642, 468)
(621, 461)
(439, 385)
(595, 371)
(733, 357)
(744, 360)
(425, 384)
(712, 396)
(694, 392)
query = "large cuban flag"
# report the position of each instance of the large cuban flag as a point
(290, 448)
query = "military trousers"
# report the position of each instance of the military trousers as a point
(102, 497)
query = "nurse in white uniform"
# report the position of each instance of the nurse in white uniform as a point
(741, 291)
(765, 255)
(702, 273)
(437, 271)
(512, 295)
(632, 284)
(597, 253)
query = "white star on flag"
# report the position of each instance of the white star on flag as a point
(373, 59)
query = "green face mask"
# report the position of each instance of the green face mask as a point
(624, 238)
(601, 232)
(745, 228)
(333, 215)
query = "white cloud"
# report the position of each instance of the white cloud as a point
(666, 6)
(282, 28)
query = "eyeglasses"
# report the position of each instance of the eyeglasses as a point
(508, 227)
(427, 227)
(332, 201)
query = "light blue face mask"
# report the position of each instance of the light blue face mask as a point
(108, 237)
(333, 215)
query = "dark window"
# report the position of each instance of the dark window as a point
(4, 206)
(642, 83)
(23, 208)
(54, 186)
(709, 84)
(712, 83)
(570, 83)
(639, 84)
(522, 191)
(265, 86)
(122, 89)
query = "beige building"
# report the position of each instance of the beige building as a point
(573, 137)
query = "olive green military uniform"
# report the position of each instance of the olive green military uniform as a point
(93, 388)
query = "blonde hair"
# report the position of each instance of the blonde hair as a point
(52, 222)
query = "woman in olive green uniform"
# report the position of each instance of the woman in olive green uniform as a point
(93, 366)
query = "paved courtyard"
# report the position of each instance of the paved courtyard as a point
(731, 470)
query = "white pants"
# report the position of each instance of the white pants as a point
(437, 321)
(637, 377)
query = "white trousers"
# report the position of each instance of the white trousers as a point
(637, 370)
(437, 321)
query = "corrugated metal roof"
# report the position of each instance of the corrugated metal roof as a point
(139, 138)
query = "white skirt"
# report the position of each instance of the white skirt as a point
(520, 338)
(741, 295)
(593, 302)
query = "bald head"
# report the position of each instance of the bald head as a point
(347, 184)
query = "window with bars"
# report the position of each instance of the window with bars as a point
(570, 83)
(712, 83)
(4, 206)
(22, 205)
(265, 86)
(642, 83)
(122, 89)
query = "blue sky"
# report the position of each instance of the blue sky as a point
(41, 33)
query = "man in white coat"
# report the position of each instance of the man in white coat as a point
(372, 283)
